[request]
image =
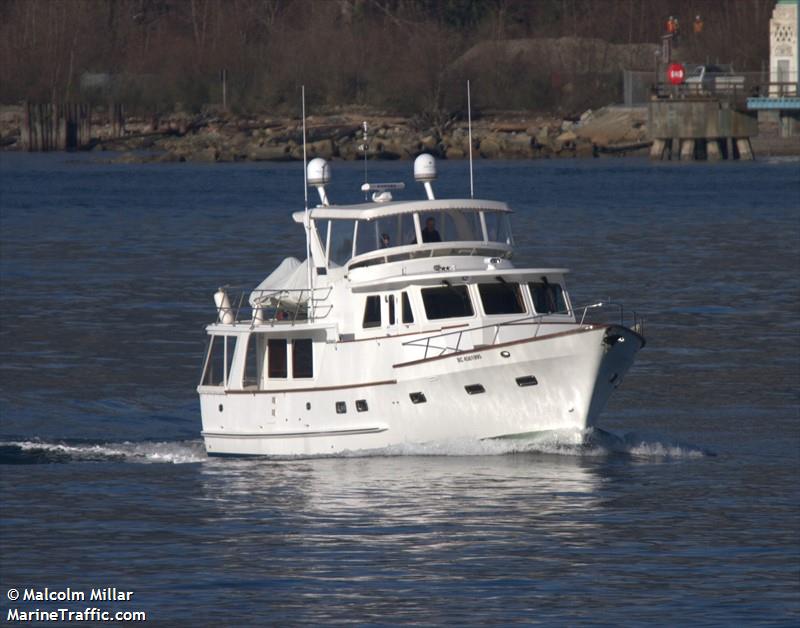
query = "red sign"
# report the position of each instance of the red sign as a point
(676, 73)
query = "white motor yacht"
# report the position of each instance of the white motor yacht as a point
(406, 323)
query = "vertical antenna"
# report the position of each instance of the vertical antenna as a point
(307, 215)
(365, 148)
(469, 127)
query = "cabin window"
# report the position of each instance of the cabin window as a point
(361, 405)
(302, 357)
(340, 233)
(498, 228)
(408, 315)
(372, 312)
(548, 298)
(341, 407)
(252, 366)
(218, 360)
(449, 226)
(276, 358)
(501, 298)
(391, 309)
(447, 302)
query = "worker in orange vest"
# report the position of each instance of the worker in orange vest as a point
(698, 25)
(671, 25)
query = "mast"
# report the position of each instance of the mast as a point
(307, 217)
(469, 127)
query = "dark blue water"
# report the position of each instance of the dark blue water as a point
(107, 278)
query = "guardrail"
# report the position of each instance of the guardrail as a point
(274, 305)
(451, 342)
(735, 88)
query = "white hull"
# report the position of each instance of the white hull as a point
(575, 373)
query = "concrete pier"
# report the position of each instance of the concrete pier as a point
(700, 128)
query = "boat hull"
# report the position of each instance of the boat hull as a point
(556, 382)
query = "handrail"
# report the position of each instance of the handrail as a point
(426, 249)
(637, 324)
(276, 305)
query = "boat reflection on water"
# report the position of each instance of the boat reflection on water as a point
(429, 500)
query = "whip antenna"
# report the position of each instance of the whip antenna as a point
(365, 147)
(469, 128)
(307, 215)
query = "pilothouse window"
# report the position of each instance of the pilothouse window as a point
(501, 298)
(218, 360)
(548, 298)
(447, 302)
(302, 358)
(276, 358)
(372, 312)
(252, 363)
(408, 314)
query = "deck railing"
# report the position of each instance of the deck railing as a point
(272, 306)
(601, 312)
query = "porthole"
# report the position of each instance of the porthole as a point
(341, 407)
(220, 407)
(308, 405)
(505, 354)
(527, 380)
(361, 405)
(417, 397)
(474, 389)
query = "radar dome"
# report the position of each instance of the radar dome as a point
(425, 167)
(319, 172)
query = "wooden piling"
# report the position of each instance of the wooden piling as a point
(52, 126)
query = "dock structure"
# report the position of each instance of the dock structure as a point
(65, 126)
(700, 127)
(778, 107)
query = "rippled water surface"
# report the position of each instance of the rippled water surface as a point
(688, 512)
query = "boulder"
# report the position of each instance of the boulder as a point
(543, 136)
(268, 153)
(428, 143)
(206, 155)
(489, 147)
(322, 148)
(454, 152)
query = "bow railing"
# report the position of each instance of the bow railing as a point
(454, 341)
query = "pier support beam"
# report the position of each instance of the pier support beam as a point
(657, 149)
(745, 148)
(712, 150)
(687, 150)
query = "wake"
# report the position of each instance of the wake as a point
(592, 443)
(35, 452)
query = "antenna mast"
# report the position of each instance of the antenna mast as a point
(307, 215)
(365, 147)
(469, 127)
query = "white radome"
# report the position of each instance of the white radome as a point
(319, 172)
(425, 168)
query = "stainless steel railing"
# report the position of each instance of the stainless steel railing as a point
(275, 305)
(448, 342)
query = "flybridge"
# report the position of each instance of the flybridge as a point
(385, 230)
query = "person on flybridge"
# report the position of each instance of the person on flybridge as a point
(429, 233)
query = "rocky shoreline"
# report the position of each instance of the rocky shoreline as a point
(221, 137)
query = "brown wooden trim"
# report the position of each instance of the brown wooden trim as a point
(410, 333)
(314, 389)
(505, 344)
